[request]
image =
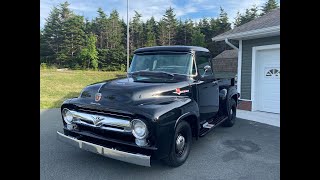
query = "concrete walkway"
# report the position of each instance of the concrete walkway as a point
(262, 117)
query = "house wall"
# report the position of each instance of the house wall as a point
(246, 64)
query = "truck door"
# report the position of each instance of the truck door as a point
(207, 87)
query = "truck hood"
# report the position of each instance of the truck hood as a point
(128, 92)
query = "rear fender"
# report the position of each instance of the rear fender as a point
(233, 93)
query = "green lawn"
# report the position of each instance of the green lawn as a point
(56, 86)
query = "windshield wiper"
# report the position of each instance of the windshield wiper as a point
(153, 74)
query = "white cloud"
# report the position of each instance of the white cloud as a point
(193, 9)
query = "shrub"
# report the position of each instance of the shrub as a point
(43, 66)
(123, 68)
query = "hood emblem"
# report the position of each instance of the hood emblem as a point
(96, 119)
(97, 97)
(179, 91)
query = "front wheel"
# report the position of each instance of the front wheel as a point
(232, 113)
(180, 148)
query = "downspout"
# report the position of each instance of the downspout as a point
(239, 67)
(231, 45)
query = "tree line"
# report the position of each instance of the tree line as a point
(69, 40)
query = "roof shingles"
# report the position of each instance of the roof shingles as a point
(268, 20)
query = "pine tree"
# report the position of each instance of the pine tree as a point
(150, 32)
(268, 6)
(237, 19)
(136, 31)
(74, 36)
(206, 30)
(189, 26)
(218, 26)
(100, 28)
(197, 38)
(44, 50)
(52, 35)
(65, 38)
(161, 40)
(179, 39)
(116, 34)
(223, 22)
(249, 15)
(170, 21)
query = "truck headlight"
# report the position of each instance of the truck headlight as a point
(67, 115)
(139, 129)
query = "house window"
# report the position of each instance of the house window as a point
(272, 72)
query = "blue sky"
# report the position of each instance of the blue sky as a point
(184, 9)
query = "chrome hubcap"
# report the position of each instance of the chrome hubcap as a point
(180, 143)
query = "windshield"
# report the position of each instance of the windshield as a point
(170, 63)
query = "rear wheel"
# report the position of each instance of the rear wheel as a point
(231, 113)
(181, 144)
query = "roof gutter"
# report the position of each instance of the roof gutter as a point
(269, 31)
(231, 45)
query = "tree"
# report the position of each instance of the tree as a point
(100, 28)
(66, 39)
(188, 32)
(197, 38)
(116, 33)
(180, 33)
(249, 15)
(74, 36)
(217, 26)
(89, 54)
(52, 35)
(205, 29)
(268, 6)
(136, 31)
(151, 32)
(170, 23)
(223, 22)
(162, 40)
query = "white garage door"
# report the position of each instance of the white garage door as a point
(268, 80)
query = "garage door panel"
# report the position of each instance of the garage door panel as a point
(268, 80)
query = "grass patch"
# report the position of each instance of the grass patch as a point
(56, 86)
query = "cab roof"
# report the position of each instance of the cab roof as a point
(171, 48)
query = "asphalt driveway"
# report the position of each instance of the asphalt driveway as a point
(249, 150)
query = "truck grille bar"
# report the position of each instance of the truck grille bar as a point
(103, 122)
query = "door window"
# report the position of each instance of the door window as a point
(202, 61)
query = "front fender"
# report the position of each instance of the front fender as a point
(165, 124)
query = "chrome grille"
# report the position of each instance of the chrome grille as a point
(103, 122)
(112, 114)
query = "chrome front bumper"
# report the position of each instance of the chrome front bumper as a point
(138, 159)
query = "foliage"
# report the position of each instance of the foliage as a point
(197, 38)
(69, 40)
(89, 54)
(249, 15)
(268, 6)
(43, 66)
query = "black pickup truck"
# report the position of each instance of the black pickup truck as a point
(169, 97)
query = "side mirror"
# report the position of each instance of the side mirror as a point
(207, 68)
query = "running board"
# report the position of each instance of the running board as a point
(207, 127)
